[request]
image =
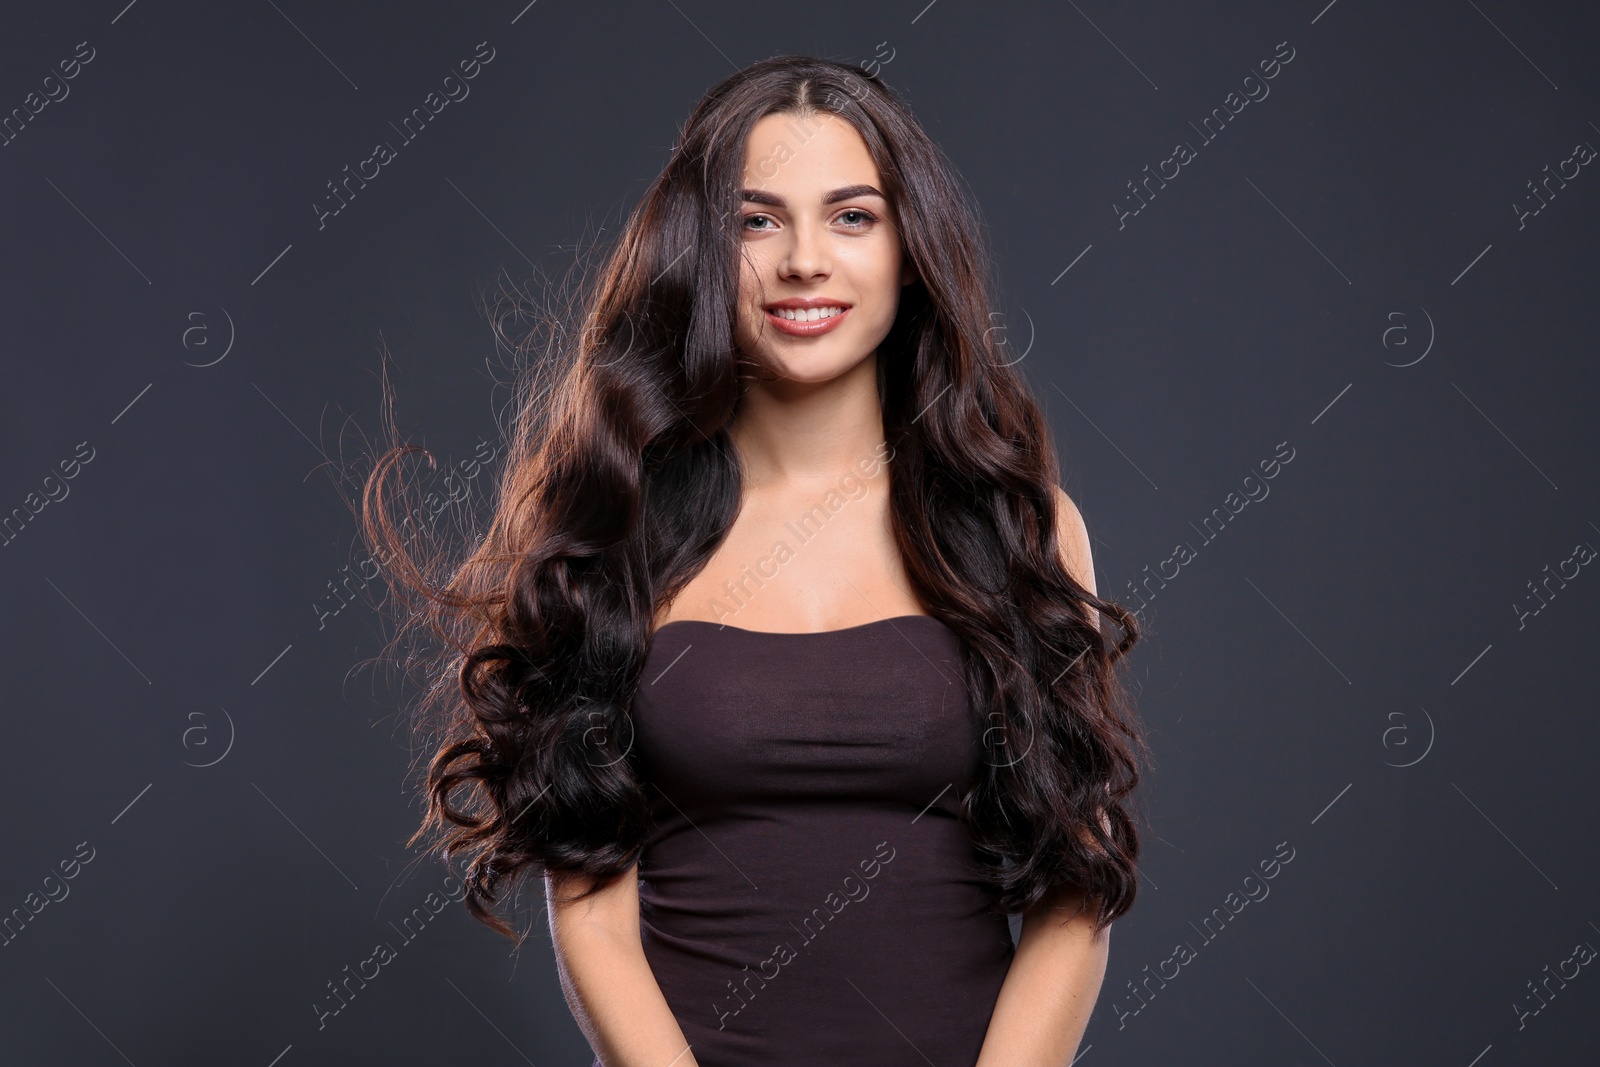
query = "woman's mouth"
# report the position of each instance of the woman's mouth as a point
(806, 322)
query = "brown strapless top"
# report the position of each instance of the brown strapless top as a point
(807, 894)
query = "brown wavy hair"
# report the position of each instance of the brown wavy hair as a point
(620, 481)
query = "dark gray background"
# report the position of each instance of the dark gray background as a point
(1361, 616)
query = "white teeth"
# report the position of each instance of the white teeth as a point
(807, 314)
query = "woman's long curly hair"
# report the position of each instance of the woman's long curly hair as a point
(620, 481)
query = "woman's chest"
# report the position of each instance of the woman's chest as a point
(725, 717)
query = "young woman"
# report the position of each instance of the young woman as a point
(781, 658)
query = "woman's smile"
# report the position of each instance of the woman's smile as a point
(806, 317)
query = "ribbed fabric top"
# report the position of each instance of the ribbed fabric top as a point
(807, 895)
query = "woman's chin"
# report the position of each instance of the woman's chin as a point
(804, 367)
(802, 372)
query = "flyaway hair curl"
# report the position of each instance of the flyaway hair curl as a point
(620, 480)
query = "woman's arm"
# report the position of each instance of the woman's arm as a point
(609, 986)
(1050, 990)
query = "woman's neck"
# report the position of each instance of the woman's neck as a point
(795, 434)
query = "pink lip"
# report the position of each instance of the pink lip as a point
(805, 329)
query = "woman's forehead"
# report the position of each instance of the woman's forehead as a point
(803, 159)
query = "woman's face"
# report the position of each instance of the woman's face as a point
(816, 230)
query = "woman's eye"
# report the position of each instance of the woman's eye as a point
(853, 218)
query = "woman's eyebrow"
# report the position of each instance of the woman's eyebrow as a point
(847, 192)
